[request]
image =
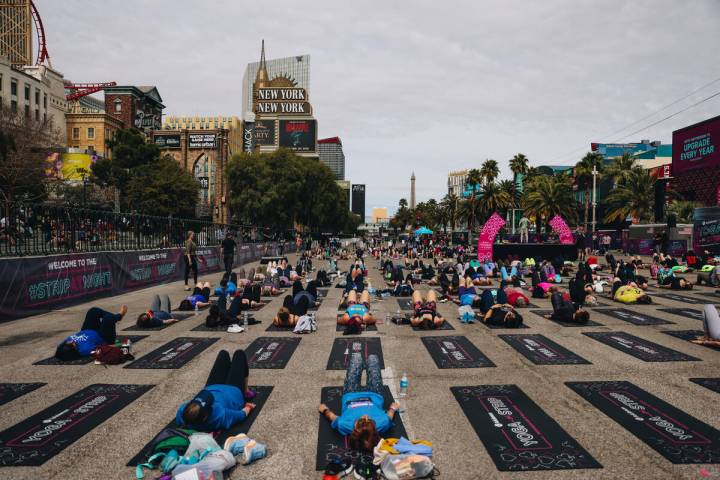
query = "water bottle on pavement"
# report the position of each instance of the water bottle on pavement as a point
(245, 319)
(197, 309)
(403, 386)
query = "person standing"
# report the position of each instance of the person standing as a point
(281, 247)
(524, 225)
(190, 259)
(228, 250)
(580, 244)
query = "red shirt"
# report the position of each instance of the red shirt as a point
(513, 295)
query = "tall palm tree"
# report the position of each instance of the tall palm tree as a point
(620, 168)
(449, 205)
(633, 196)
(470, 210)
(683, 210)
(474, 179)
(518, 166)
(510, 188)
(489, 170)
(584, 176)
(494, 199)
(547, 196)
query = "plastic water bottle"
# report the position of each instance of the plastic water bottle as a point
(403, 386)
(197, 309)
(245, 319)
(387, 318)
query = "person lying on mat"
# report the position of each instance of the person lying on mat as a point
(158, 315)
(565, 311)
(358, 309)
(222, 403)
(711, 327)
(502, 314)
(516, 297)
(309, 291)
(293, 308)
(362, 417)
(667, 279)
(709, 274)
(220, 315)
(97, 329)
(200, 297)
(581, 294)
(630, 294)
(425, 314)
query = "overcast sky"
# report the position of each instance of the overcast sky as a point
(416, 85)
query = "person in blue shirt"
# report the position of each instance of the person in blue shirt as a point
(200, 297)
(222, 403)
(362, 417)
(360, 310)
(158, 315)
(97, 329)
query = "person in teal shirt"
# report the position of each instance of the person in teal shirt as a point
(362, 418)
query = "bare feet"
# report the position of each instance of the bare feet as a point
(123, 310)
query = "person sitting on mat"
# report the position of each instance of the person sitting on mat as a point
(362, 416)
(358, 309)
(158, 315)
(711, 327)
(425, 314)
(222, 403)
(565, 311)
(97, 329)
(200, 297)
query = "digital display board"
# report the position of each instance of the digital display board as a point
(696, 146)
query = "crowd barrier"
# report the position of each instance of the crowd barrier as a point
(35, 285)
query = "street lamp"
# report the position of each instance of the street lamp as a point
(594, 199)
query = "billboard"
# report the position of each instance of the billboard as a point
(298, 135)
(248, 134)
(282, 101)
(202, 140)
(264, 132)
(167, 141)
(69, 166)
(696, 146)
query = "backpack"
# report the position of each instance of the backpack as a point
(111, 355)
(165, 450)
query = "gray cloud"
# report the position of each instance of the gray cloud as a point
(420, 85)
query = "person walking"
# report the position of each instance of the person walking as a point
(228, 251)
(190, 259)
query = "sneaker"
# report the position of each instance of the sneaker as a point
(364, 468)
(235, 328)
(187, 288)
(338, 469)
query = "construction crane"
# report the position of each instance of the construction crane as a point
(82, 89)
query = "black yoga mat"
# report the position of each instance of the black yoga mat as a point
(332, 445)
(11, 391)
(517, 434)
(636, 318)
(590, 323)
(479, 319)
(368, 328)
(681, 298)
(39, 438)
(322, 292)
(445, 326)
(85, 360)
(344, 348)
(179, 316)
(684, 312)
(674, 434)
(540, 350)
(243, 427)
(689, 335)
(274, 328)
(713, 295)
(174, 354)
(223, 328)
(455, 352)
(271, 352)
(709, 383)
(645, 350)
(405, 303)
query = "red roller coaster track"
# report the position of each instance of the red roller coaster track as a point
(42, 55)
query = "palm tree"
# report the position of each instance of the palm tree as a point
(620, 167)
(449, 206)
(470, 210)
(683, 210)
(494, 199)
(547, 196)
(518, 165)
(633, 196)
(489, 170)
(584, 176)
(510, 188)
(474, 178)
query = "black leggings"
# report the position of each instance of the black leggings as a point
(102, 322)
(191, 265)
(205, 292)
(299, 308)
(252, 293)
(227, 372)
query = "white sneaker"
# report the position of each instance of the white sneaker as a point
(235, 328)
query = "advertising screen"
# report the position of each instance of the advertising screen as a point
(69, 166)
(264, 132)
(696, 146)
(201, 140)
(298, 135)
(167, 141)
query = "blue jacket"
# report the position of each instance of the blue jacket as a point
(86, 341)
(227, 409)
